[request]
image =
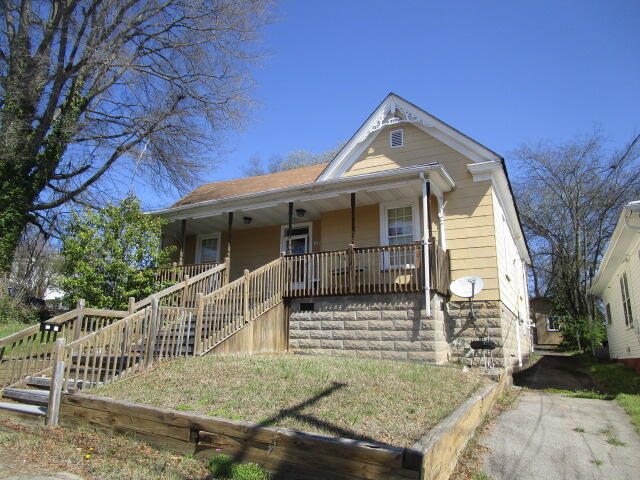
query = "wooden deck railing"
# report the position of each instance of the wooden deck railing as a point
(383, 269)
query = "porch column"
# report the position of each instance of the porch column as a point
(183, 227)
(353, 218)
(441, 235)
(290, 227)
(426, 190)
(229, 228)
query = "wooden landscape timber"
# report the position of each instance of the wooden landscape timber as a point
(279, 450)
(442, 445)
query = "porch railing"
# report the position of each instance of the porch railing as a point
(176, 273)
(382, 269)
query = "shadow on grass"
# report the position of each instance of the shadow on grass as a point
(278, 464)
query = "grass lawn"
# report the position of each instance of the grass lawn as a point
(10, 327)
(376, 400)
(614, 382)
(92, 455)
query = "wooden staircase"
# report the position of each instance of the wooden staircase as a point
(168, 327)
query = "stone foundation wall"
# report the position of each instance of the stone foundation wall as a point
(500, 324)
(510, 331)
(388, 326)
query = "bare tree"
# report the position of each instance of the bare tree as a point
(35, 266)
(570, 197)
(87, 84)
(294, 159)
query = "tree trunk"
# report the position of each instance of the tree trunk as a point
(13, 221)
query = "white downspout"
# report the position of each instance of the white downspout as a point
(425, 243)
(518, 341)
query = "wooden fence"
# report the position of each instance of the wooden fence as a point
(383, 269)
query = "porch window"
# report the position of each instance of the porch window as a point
(399, 226)
(208, 248)
(626, 300)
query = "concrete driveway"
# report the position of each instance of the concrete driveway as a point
(552, 437)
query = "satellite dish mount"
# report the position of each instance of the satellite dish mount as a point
(469, 287)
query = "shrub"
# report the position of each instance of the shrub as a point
(222, 467)
(13, 311)
(112, 254)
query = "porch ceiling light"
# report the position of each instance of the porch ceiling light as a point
(300, 212)
(247, 220)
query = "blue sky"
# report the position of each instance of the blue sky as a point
(501, 72)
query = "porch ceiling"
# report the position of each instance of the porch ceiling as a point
(277, 213)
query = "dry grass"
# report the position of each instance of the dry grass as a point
(92, 455)
(390, 402)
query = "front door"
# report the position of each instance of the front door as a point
(302, 266)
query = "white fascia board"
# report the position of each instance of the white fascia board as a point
(620, 242)
(425, 121)
(309, 191)
(493, 171)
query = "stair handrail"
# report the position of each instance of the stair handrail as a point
(184, 284)
(240, 302)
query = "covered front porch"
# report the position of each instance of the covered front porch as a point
(377, 234)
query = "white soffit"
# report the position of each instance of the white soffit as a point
(395, 110)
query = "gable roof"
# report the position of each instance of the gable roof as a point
(244, 186)
(622, 239)
(396, 110)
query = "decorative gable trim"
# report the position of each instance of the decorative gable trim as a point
(396, 110)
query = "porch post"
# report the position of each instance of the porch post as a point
(353, 218)
(183, 227)
(426, 190)
(290, 227)
(441, 235)
(229, 234)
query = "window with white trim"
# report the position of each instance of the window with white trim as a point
(208, 248)
(553, 324)
(399, 227)
(608, 309)
(626, 300)
(396, 138)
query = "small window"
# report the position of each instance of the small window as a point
(626, 300)
(208, 249)
(608, 308)
(396, 138)
(553, 325)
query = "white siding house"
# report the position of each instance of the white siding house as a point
(617, 283)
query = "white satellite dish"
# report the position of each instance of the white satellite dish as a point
(467, 287)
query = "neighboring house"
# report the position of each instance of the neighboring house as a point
(617, 283)
(356, 233)
(546, 327)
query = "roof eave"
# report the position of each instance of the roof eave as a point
(445, 181)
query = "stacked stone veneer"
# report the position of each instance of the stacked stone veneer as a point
(388, 326)
(500, 324)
